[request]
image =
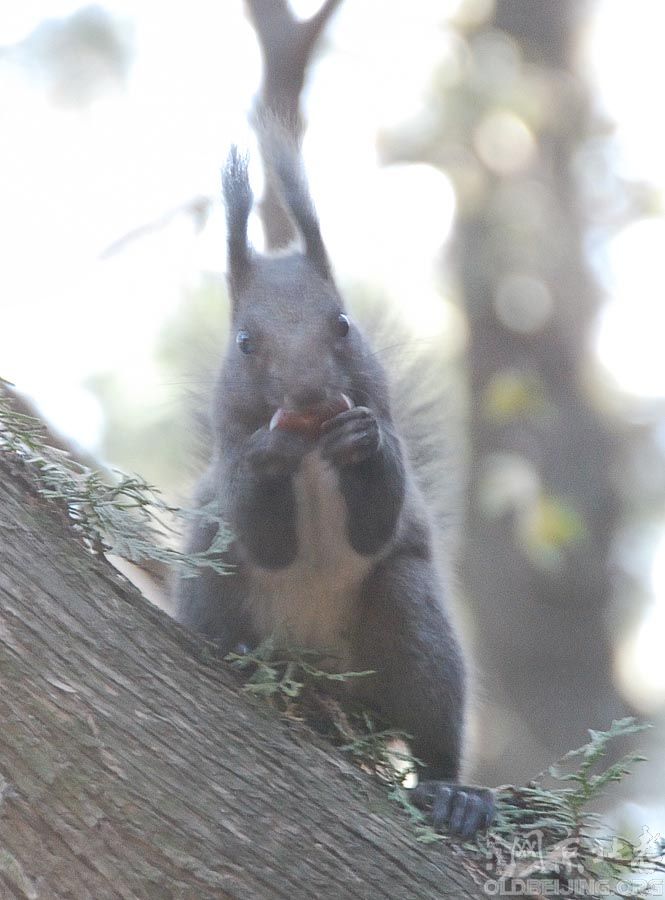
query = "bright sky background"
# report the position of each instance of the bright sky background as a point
(75, 180)
(627, 62)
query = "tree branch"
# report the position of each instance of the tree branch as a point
(132, 767)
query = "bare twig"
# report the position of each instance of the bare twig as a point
(198, 209)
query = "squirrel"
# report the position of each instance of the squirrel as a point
(333, 544)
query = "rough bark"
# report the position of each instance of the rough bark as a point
(132, 767)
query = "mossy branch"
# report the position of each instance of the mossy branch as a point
(545, 831)
(127, 516)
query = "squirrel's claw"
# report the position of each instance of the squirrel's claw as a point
(351, 437)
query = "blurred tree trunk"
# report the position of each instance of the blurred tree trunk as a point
(546, 655)
(131, 768)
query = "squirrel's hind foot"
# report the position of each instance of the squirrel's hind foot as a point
(458, 808)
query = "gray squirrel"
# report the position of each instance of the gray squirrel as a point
(333, 545)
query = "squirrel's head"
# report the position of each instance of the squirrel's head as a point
(292, 343)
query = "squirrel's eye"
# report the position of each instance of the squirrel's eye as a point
(243, 341)
(342, 325)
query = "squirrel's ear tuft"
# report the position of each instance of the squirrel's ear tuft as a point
(238, 200)
(282, 154)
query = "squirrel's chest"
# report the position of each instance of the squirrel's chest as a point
(311, 602)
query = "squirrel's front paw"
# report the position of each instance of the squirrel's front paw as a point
(350, 437)
(277, 453)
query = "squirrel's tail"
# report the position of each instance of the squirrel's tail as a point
(428, 399)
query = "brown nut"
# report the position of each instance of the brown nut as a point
(287, 420)
(309, 422)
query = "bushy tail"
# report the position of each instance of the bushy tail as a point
(428, 399)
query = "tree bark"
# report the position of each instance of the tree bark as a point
(132, 765)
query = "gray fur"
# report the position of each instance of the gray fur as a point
(238, 202)
(334, 547)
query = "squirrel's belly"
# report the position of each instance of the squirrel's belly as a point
(310, 604)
